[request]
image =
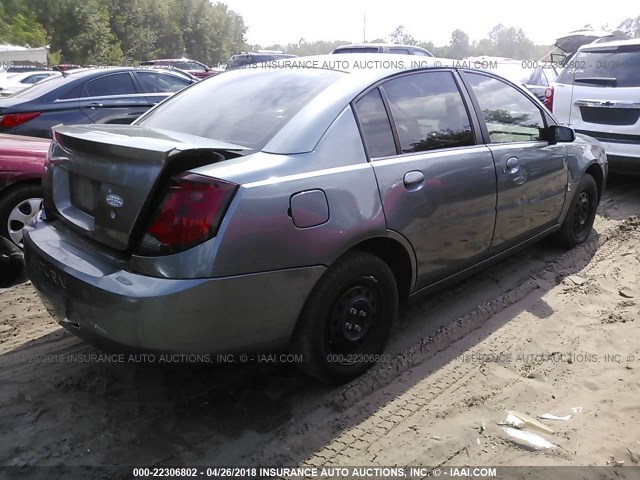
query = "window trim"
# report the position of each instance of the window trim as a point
(466, 100)
(131, 77)
(483, 124)
(353, 105)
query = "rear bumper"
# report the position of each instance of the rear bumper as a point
(620, 164)
(623, 151)
(111, 306)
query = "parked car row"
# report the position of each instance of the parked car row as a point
(395, 180)
(112, 95)
(362, 188)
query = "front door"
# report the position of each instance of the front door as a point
(532, 174)
(113, 98)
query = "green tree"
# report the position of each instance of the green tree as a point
(399, 36)
(459, 46)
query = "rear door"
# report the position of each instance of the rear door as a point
(113, 98)
(601, 96)
(532, 175)
(437, 184)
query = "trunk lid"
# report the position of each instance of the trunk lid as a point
(104, 180)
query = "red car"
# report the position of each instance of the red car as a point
(196, 69)
(21, 164)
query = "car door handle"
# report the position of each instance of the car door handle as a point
(413, 180)
(95, 105)
(512, 166)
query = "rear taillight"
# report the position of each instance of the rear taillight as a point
(548, 99)
(11, 120)
(189, 214)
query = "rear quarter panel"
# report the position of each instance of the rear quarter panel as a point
(258, 233)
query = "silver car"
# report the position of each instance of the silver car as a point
(294, 208)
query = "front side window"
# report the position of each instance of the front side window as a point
(158, 82)
(428, 112)
(375, 125)
(116, 84)
(509, 114)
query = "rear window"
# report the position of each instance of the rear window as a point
(514, 72)
(618, 67)
(357, 50)
(39, 89)
(246, 107)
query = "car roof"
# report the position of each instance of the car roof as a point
(265, 53)
(171, 60)
(363, 64)
(360, 71)
(607, 45)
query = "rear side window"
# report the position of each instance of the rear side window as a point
(509, 114)
(618, 67)
(245, 107)
(116, 84)
(375, 125)
(196, 66)
(428, 112)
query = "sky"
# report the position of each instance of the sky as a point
(287, 21)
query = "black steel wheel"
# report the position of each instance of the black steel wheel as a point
(346, 321)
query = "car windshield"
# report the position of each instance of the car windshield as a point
(618, 67)
(245, 107)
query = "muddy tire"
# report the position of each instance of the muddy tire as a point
(345, 323)
(578, 223)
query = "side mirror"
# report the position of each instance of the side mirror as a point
(561, 134)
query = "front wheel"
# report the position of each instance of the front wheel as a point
(579, 220)
(346, 321)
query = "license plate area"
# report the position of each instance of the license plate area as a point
(610, 116)
(84, 193)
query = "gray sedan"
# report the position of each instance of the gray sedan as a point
(295, 207)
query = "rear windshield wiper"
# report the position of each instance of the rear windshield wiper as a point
(597, 80)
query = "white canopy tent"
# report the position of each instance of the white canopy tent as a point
(14, 54)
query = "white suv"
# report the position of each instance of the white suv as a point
(598, 94)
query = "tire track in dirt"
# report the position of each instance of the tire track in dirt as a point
(351, 445)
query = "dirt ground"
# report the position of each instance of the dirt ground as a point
(545, 331)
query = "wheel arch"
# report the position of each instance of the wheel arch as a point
(398, 254)
(595, 170)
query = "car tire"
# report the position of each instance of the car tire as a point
(578, 223)
(17, 206)
(345, 323)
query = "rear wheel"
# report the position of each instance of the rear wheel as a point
(17, 207)
(346, 321)
(578, 223)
